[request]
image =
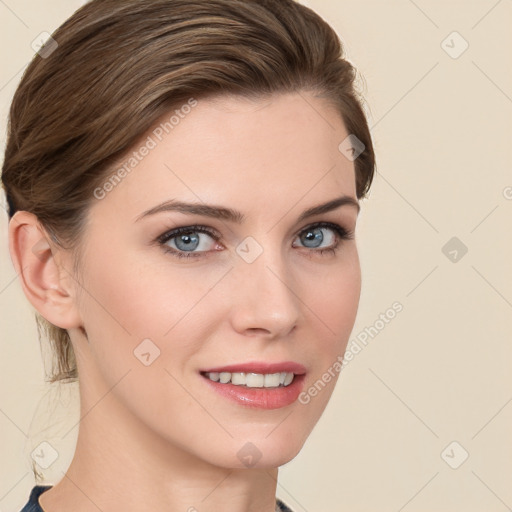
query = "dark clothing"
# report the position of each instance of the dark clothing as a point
(32, 504)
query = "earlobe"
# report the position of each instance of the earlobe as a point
(46, 283)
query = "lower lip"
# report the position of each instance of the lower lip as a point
(261, 398)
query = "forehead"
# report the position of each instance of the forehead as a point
(262, 154)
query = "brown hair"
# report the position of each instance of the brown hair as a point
(117, 67)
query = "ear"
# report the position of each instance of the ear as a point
(46, 281)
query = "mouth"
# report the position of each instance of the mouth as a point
(259, 385)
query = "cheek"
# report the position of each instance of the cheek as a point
(143, 331)
(334, 304)
(128, 302)
(334, 298)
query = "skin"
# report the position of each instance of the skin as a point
(157, 434)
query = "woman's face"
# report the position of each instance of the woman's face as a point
(253, 284)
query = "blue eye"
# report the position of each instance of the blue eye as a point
(190, 242)
(186, 240)
(312, 238)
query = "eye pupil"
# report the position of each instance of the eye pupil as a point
(188, 242)
(310, 236)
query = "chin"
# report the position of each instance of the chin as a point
(262, 460)
(266, 451)
(275, 460)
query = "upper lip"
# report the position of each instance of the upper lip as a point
(260, 367)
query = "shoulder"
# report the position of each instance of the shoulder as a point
(32, 504)
(281, 507)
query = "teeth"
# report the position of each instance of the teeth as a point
(252, 380)
(272, 380)
(288, 379)
(238, 379)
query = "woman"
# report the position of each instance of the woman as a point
(183, 180)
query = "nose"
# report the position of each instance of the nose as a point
(265, 302)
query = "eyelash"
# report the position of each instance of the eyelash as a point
(341, 232)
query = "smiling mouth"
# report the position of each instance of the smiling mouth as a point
(252, 380)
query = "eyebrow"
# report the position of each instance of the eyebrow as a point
(228, 214)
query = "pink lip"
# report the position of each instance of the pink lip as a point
(261, 398)
(260, 367)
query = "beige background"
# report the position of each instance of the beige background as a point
(439, 372)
